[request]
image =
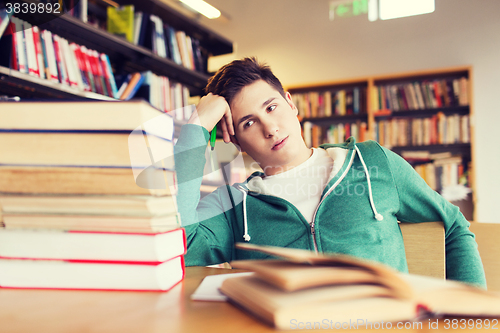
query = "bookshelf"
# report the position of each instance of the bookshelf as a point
(331, 111)
(125, 57)
(425, 116)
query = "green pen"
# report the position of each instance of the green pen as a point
(212, 146)
(212, 137)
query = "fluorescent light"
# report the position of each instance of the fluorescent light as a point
(391, 9)
(203, 8)
(372, 10)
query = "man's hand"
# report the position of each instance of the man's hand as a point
(213, 109)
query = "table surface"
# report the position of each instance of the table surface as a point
(74, 311)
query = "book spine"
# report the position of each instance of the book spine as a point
(109, 75)
(39, 52)
(70, 64)
(63, 74)
(51, 56)
(20, 48)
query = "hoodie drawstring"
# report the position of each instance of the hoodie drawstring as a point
(246, 235)
(378, 216)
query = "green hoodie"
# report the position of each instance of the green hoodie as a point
(358, 213)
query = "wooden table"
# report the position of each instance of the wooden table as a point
(54, 311)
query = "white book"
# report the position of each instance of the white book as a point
(30, 50)
(20, 46)
(91, 245)
(75, 79)
(51, 56)
(60, 274)
(166, 93)
(83, 10)
(138, 16)
(58, 49)
(40, 57)
(68, 60)
(418, 93)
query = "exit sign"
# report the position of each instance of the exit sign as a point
(348, 8)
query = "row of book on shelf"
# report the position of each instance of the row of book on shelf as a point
(87, 197)
(418, 95)
(152, 32)
(328, 103)
(161, 92)
(314, 134)
(145, 29)
(43, 54)
(439, 170)
(438, 129)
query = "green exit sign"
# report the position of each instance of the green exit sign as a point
(348, 8)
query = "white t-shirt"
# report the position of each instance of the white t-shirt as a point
(303, 185)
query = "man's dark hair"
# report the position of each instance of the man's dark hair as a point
(231, 78)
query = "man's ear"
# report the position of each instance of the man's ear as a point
(289, 100)
(236, 143)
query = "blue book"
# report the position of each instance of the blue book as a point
(110, 75)
(135, 87)
(4, 20)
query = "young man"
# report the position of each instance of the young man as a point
(345, 198)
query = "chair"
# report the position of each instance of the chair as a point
(425, 248)
(488, 241)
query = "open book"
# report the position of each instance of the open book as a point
(326, 289)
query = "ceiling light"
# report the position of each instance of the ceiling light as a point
(391, 9)
(203, 8)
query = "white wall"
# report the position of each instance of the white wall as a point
(296, 38)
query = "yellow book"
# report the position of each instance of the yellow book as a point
(121, 21)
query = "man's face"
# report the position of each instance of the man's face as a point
(267, 128)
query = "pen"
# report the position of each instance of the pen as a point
(212, 137)
(212, 146)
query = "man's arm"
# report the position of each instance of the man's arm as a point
(419, 203)
(208, 229)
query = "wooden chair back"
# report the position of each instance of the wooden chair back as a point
(425, 248)
(488, 241)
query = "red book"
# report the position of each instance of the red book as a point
(96, 72)
(61, 66)
(438, 93)
(106, 75)
(88, 67)
(39, 52)
(81, 67)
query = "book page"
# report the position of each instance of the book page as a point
(208, 290)
(446, 297)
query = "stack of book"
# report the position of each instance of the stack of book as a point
(87, 197)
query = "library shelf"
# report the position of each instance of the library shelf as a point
(12, 81)
(458, 106)
(126, 57)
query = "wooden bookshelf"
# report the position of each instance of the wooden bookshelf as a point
(124, 56)
(14, 82)
(375, 115)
